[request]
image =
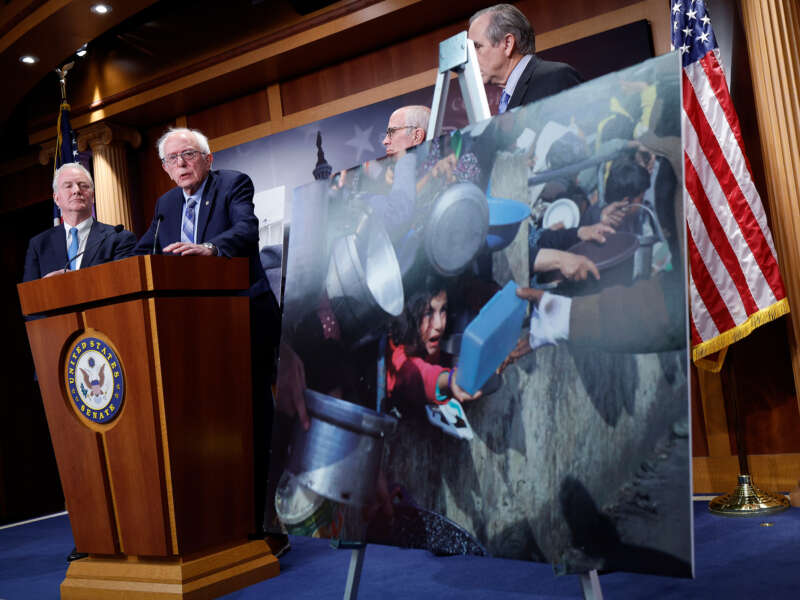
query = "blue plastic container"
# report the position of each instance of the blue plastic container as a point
(505, 216)
(489, 338)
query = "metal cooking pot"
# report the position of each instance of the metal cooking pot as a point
(340, 455)
(364, 282)
(456, 227)
(305, 259)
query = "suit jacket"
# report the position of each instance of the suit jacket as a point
(48, 251)
(542, 78)
(226, 220)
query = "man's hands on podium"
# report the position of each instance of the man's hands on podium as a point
(185, 249)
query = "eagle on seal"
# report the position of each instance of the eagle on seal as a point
(95, 385)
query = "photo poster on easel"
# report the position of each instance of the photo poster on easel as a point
(280, 162)
(448, 414)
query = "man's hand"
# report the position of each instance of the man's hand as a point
(613, 214)
(522, 348)
(577, 267)
(594, 233)
(530, 294)
(56, 272)
(185, 249)
(445, 167)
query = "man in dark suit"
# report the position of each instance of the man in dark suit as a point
(505, 44)
(210, 213)
(58, 249)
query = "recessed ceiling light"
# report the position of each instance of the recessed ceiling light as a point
(81, 52)
(101, 9)
(28, 59)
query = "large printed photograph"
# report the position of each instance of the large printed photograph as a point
(488, 336)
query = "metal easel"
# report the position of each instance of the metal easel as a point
(457, 55)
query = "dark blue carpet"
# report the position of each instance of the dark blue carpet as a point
(734, 559)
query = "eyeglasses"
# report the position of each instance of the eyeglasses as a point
(390, 131)
(186, 155)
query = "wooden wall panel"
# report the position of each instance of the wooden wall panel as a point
(762, 372)
(235, 115)
(25, 187)
(153, 181)
(365, 72)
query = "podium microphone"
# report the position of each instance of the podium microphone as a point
(117, 229)
(159, 218)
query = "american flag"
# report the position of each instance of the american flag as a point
(66, 149)
(735, 284)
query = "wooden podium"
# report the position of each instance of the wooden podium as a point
(144, 368)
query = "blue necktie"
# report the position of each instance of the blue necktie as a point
(503, 102)
(187, 230)
(72, 251)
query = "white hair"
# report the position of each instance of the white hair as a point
(417, 116)
(72, 165)
(202, 140)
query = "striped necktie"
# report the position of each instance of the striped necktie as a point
(187, 230)
(503, 102)
(72, 251)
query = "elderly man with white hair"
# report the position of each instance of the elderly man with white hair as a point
(81, 240)
(210, 213)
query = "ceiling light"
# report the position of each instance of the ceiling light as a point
(28, 59)
(101, 9)
(81, 52)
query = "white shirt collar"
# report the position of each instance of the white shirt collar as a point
(516, 73)
(83, 227)
(198, 195)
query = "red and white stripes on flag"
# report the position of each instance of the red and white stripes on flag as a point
(735, 284)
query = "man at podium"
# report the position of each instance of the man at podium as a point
(81, 241)
(210, 213)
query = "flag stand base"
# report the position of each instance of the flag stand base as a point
(747, 500)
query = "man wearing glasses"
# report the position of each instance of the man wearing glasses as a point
(210, 213)
(407, 128)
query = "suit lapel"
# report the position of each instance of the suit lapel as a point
(58, 241)
(522, 83)
(92, 246)
(170, 230)
(206, 207)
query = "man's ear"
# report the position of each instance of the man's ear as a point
(509, 45)
(419, 136)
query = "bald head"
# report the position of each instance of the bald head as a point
(407, 128)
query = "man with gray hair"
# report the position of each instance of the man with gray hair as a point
(210, 213)
(505, 45)
(81, 241)
(407, 127)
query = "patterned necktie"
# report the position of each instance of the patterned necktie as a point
(187, 231)
(72, 251)
(503, 102)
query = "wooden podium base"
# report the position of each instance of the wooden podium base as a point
(203, 577)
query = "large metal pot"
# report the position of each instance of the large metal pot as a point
(340, 455)
(456, 228)
(364, 282)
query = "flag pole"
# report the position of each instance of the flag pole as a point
(746, 500)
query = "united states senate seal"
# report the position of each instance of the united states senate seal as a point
(94, 379)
